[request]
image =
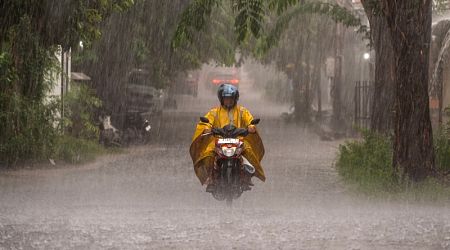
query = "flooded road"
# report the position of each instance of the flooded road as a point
(151, 199)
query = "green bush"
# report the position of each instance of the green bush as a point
(27, 129)
(367, 163)
(27, 116)
(442, 150)
(442, 146)
(30, 127)
(367, 166)
(81, 105)
(76, 150)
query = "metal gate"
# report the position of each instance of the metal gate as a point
(363, 103)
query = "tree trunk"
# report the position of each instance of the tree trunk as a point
(317, 80)
(337, 122)
(297, 96)
(305, 88)
(410, 29)
(301, 114)
(300, 96)
(382, 111)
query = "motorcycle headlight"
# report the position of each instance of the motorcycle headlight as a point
(229, 152)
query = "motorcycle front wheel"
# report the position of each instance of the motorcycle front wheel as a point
(229, 176)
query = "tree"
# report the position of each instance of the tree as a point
(250, 17)
(409, 25)
(29, 34)
(146, 29)
(300, 45)
(382, 113)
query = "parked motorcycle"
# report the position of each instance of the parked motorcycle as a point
(109, 135)
(137, 130)
(232, 169)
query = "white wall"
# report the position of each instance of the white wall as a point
(65, 69)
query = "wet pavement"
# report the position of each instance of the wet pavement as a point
(150, 198)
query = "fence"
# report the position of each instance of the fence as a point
(363, 103)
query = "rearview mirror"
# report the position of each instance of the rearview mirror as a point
(255, 121)
(204, 119)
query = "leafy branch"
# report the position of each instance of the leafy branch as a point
(335, 12)
(193, 19)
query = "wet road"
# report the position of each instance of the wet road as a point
(151, 199)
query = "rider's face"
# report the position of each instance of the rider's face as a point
(228, 102)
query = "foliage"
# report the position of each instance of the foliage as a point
(29, 34)
(367, 166)
(249, 16)
(367, 163)
(75, 150)
(27, 128)
(333, 11)
(442, 147)
(29, 60)
(146, 30)
(442, 150)
(27, 119)
(440, 6)
(81, 105)
(193, 18)
(63, 22)
(7, 72)
(261, 25)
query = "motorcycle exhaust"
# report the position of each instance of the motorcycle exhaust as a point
(248, 166)
(249, 169)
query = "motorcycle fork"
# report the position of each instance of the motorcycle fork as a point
(230, 170)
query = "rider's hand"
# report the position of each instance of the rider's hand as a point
(252, 129)
(207, 131)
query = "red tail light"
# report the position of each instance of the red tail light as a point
(215, 81)
(234, 81)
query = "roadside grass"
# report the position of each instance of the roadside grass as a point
(366, 166)
(77, 151)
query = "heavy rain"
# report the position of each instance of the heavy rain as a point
(224, 124)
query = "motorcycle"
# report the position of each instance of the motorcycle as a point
(229, 165)
(137, 129)
(109, 135)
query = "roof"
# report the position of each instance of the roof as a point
(79, 76)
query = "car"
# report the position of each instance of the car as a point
(143, 100)
(215, 79)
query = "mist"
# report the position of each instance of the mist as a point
(99, 114)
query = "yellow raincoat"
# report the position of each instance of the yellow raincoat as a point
(202, 147)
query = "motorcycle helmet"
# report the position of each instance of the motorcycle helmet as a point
(228, 90)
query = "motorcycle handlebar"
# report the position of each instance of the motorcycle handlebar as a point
(217, 132)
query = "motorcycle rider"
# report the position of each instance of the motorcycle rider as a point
(202, 148)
